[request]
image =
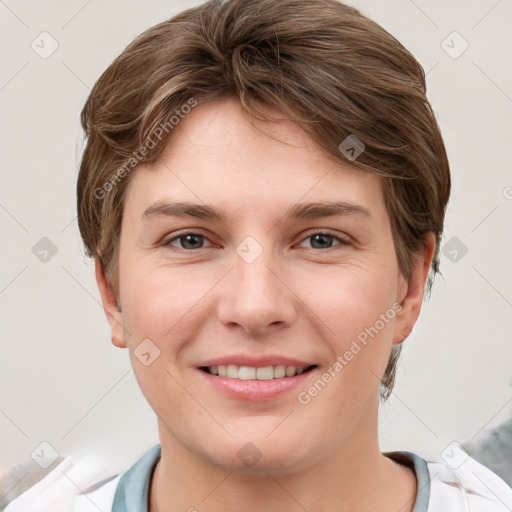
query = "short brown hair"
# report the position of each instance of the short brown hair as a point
(319, 62)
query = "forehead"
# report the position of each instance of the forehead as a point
(219, 154)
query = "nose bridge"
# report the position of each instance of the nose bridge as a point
(255, 298)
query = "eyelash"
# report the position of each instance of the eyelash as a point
(342, 241)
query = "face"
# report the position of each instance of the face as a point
(260, 293)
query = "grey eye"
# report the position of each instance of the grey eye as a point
(187, 241)
(321, 241)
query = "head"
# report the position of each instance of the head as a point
(252, 107)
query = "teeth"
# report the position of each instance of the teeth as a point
(246, 373)
(232, 371)
(265, 373)
(291, 371)
(279, 372)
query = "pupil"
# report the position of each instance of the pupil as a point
(191, 241)
(323, 239)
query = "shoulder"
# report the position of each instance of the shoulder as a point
(462, 483)
(88, 484)
(78, 484)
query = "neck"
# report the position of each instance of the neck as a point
(355, 477)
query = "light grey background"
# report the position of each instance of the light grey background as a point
(61, 380)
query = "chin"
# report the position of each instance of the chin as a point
(263, 454)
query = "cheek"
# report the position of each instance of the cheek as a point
(357, 308)
(155, 301)
(350, 299)
(165, 304)
(160, 302)
(161, 305)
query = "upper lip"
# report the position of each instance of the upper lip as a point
(256, 362)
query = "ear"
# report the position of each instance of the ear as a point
(112, 312)
(411, 292)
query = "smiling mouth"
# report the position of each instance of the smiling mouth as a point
(232, 371)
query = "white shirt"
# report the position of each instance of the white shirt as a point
(81, 486)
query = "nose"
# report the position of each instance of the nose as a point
(256, 297)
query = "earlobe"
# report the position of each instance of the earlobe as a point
(412, 299)
(111, 307)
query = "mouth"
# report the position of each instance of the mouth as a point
(233, 371)
(249, 377)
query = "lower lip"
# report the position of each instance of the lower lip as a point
(255, 390)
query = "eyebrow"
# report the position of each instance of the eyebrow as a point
(299, 211)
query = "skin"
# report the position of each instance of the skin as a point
(297, 299)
